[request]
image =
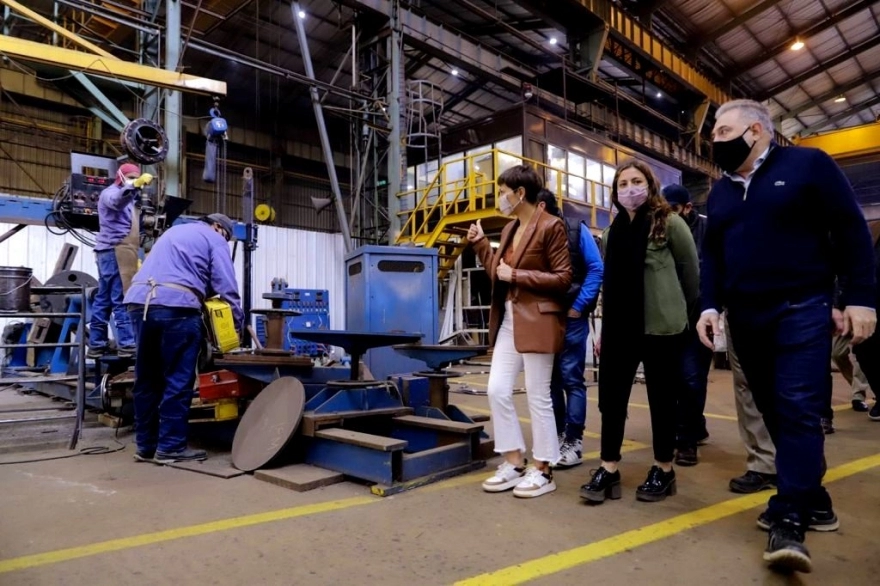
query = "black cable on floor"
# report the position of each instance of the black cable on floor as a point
(87, 451)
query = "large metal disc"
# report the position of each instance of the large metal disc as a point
(269, 423)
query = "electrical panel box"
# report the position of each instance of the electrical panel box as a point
(314, 305)
(392, 289)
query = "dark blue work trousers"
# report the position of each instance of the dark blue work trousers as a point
(168, 345)
(784, 351)
(567, 387)
(107, 303)
(696, 362)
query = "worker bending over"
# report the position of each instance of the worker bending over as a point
(188, 264)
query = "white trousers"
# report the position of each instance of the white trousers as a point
(507, 363)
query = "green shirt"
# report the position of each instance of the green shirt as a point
(672, 279)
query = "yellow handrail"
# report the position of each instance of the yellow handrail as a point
(476, 187)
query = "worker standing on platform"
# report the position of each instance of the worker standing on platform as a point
(188, 264)
(116, 250)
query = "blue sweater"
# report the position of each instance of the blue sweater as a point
(595, 268)
(796, 229)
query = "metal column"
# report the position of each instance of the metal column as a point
(173, 99)
(322, 127)
(395, 139)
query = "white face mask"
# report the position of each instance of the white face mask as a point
(129, 182)
(506, 208)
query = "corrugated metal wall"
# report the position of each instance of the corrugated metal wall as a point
(307, 260)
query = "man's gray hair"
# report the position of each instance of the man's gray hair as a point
(750, 111)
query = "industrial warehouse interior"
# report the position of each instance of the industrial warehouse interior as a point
(383, 291)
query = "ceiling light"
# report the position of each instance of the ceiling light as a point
(553, 40)
(454, 72)
(659, 95)
(797, 45)
(301, 14)
(840, 99)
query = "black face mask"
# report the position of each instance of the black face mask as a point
(730, 154)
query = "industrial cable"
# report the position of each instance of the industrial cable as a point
(87, 451)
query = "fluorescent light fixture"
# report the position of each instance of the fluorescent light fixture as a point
(840, 99)
(454, 72)
(553, 40)
(797, 45)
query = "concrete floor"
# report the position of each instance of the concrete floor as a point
(106, 520)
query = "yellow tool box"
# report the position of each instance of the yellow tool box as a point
(221, 325)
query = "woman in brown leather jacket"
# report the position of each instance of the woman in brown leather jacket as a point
(530, 274)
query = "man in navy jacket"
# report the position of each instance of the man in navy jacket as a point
(783, 222)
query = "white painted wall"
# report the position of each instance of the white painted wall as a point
(307, 260)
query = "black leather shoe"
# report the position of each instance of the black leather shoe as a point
(785, 548)
(752, 481)
(859, 406)
(686, 457)
(874, 415)
(822, 521)
(602, 485)
(828, 426)
(657, 486)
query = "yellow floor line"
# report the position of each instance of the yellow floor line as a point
(558, 562)
(72, 553)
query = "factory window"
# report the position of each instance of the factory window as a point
(556, 168)
(510, 147)
(455, 175)
(401, 266)
(577, 187)
(483, 166)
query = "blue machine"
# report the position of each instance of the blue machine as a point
(392, 289)
(314, 305)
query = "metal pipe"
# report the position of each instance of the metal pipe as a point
(12, 232)
(217, 51)
(173, 101)
(395, 140)
(322, 127)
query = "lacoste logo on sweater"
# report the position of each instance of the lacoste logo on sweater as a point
(779, 183)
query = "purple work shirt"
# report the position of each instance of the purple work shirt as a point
(192, 255)
(115, 207)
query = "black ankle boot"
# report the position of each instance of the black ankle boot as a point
(602, 485)
(657, 486)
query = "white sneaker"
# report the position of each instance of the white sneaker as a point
(535, 483)
(570, 454)
(506, 477)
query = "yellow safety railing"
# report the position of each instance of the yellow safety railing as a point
(449, 195)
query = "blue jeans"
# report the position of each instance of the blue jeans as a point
(567, 388)
(168, 344)
(696, 361)
(783, 349)
(108, 300)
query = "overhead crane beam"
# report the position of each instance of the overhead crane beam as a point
(562, 13)
(849, 142)
(60, 30)
(113, 68)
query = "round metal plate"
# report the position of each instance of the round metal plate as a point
(58, 303)
(269, 423)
